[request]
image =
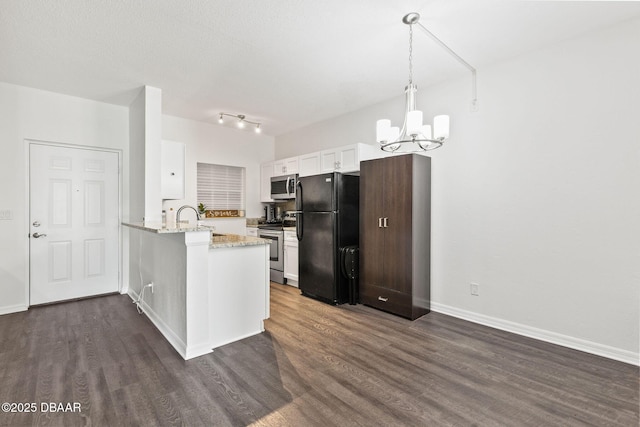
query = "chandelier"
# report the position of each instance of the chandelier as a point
(414, 136)
(242, 121)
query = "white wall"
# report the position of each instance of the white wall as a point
(27, 113)
(535, 197)
(145, 134)
(137, 159)
(212, 143)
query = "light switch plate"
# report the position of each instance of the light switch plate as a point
(6, 214)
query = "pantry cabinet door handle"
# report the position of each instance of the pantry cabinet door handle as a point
(385, 222)
(383, 299)
(379, 222)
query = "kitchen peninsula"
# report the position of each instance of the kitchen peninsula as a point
(201, 290)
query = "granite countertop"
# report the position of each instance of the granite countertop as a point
(233, 240)
(218, 240)
(156, 227)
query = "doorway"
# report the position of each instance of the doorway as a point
(74, 222)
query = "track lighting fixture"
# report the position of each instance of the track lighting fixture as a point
(242, 121)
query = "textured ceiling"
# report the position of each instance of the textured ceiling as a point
(286, 63)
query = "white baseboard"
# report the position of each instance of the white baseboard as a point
(13, 309)
(175, 341)
(540, 334)
(247, 335)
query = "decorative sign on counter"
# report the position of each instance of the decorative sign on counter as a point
(229, 213)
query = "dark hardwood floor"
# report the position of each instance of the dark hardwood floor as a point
(316, 365)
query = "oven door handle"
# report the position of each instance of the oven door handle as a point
(270, 233)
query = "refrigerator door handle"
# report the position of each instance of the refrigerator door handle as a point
(299, 196)
(299, 222)
(299, 215)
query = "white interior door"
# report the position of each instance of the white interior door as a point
(74, 222)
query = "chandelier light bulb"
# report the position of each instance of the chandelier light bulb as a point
(383, 127)
(414, 122)
(441, 127)
(394, 133)
(426, 131)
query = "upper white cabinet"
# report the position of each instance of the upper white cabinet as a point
(266, 172)
(172, 160)
(285, 166)
(341, 159)
(346, 158)
(309, 164)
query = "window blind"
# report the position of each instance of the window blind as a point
(221, 187)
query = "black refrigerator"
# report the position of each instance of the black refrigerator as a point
(327, 220)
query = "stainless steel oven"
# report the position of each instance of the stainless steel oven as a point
(276, 252)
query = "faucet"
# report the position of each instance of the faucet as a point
(180, 210)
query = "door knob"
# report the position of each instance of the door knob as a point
(37, 235)
(36, 224)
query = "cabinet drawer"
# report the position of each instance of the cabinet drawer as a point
(385, 299)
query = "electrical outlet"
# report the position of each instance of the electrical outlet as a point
(475, 289)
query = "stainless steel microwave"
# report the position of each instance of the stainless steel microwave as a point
(283, 187)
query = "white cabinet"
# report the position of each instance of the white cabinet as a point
(291, 165)
(172, 159)
(346, 158)
(341, 159)
(285, 166)
(291, 258)
(266, 172)
(252, 231)
(309, 164)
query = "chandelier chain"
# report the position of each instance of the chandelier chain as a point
(410, 54)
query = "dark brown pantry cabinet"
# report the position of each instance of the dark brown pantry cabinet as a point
(395, 234)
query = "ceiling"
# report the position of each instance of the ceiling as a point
(285, 63)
